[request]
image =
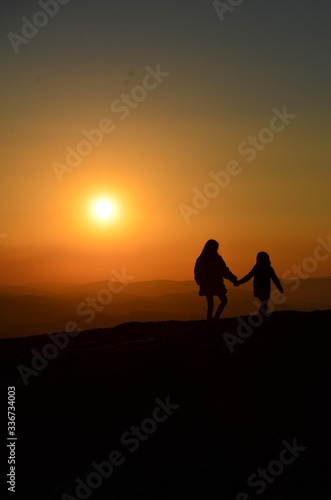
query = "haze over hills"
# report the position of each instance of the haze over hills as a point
(43, 308)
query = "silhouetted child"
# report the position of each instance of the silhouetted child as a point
(209, 271)
(262, 273)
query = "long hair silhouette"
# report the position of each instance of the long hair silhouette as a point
(210, 249)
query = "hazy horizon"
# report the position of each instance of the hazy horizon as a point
(50, 307)
(63, 283)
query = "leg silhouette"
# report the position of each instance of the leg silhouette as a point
(220, 308)
(264, 307)
(210, 302)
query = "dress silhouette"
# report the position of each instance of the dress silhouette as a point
(262, 273)
(209, 271)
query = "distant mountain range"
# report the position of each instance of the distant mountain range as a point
(44, 308)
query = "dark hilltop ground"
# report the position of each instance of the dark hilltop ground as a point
(231, 414)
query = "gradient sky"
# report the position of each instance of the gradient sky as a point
(225, 78)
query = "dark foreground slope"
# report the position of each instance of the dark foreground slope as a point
(236, 412)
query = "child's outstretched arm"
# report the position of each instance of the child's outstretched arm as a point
(246, 278)
(276, 280)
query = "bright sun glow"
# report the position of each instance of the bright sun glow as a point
(104, 209)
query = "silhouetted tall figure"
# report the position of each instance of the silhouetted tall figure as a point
(209, 271)
(262, 273)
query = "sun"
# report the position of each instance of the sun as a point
(104, 209)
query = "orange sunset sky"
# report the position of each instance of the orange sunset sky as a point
(218, 86)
